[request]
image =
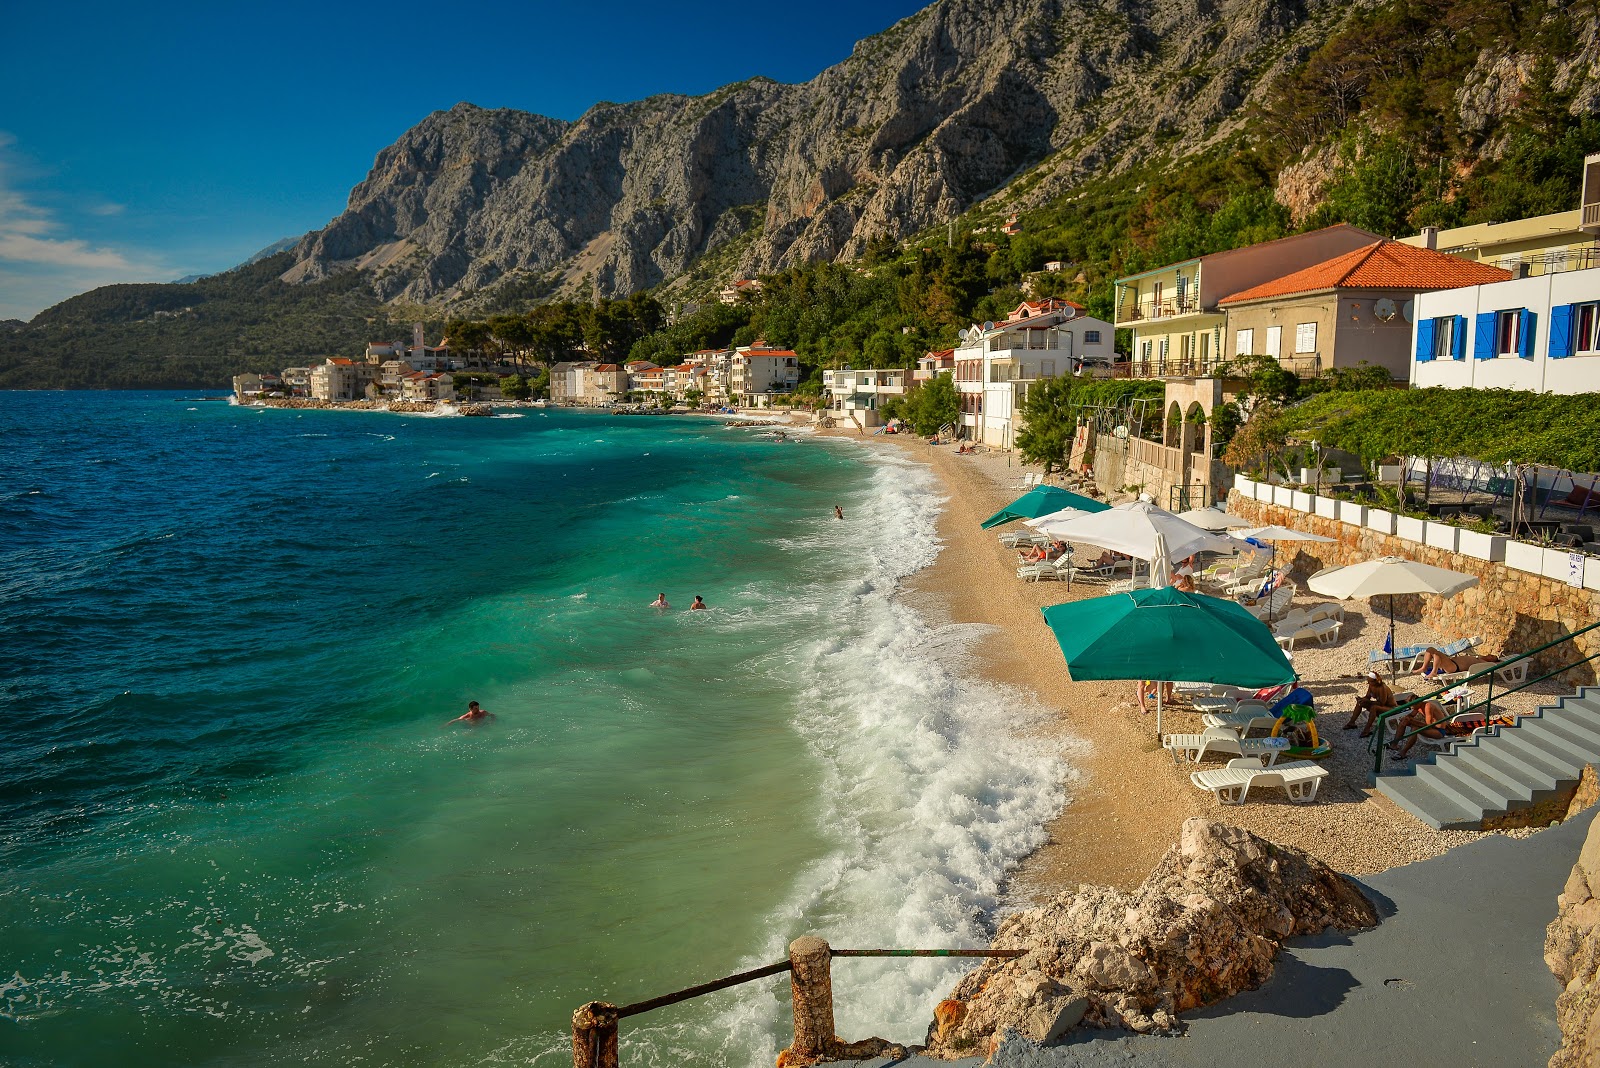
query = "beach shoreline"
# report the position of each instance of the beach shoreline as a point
(1126, 798)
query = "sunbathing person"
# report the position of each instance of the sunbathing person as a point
(1378, 698)
(1431, 715)
(1438, 662)
(1034, 555)
(1105, 559)
(1184, 583)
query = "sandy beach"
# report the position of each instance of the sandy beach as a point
(1126, 797)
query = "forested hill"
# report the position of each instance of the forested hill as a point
(1125, 135)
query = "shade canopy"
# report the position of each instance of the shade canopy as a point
(1040, 501)
(1163, 633)
(1212, 519)
(1047, 524)
(1132, 529)
(1391, 575)
(1277, 534)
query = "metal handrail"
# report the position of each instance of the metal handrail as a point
(594, 1038)
(1489, 671)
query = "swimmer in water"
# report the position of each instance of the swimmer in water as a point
(473, 714)
(660, 601)
(838, 513)
(699, 605)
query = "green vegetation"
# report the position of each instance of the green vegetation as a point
(1052, 409)
(927, 409)
(515, 387)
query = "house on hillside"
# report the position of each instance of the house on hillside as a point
(1173, 312)
(854, 396)
(1350, 309)
(759, 375)
(739, 289)
(934, 363)
(997, 362)
(1539, 333)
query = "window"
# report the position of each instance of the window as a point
(1507, 332)
(1205, 346)
(1243, 342)
(1444, 338)
(1047, 368)
(1305, 337)
(1166, 346)
(1145, 348)
(1091, 337)
(1274, 341)
(1586, 329)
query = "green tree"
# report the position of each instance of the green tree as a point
(932, 405)
(515, 387)
(1050, 419)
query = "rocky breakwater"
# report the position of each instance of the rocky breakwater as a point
(1205, 925)
(1572, 950)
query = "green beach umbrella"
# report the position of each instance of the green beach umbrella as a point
(1165, 634)
(1043, 501)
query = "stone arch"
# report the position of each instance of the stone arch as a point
(1195, 429)
(1174, 435)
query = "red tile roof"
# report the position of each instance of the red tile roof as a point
(341, 361)
(1381, 265)
(608, 367)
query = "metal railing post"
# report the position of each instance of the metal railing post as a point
(594, 1036)
(811, 983)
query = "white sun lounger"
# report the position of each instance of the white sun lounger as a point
(1323, 632)
(1299, 779)
(1045, 569)
(1245, 717)
(1222, 741)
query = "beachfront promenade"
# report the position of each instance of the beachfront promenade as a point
(1454, 975)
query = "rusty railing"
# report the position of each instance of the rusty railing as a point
(594, 1024)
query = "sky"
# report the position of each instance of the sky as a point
(147, 142)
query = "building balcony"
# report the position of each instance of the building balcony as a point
(1208, 367)
(1558, 261)
(1149, 310)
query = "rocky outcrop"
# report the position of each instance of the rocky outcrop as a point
(1572, 950)
(920, 122)
(1206, 924)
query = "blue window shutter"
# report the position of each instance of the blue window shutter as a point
(1425, 340)
(1560, 331)
(1483, 340)
(1525, 342)
(1459, 349)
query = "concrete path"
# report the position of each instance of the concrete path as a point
(1454, 975)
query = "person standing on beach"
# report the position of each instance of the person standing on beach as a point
(838, 513)
(473, 714)
(660, 601)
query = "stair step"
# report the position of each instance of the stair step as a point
(1579, 712)
(1587, 698)
(1582, 739)
(1427, 804)
(1539, 753)
(1490, 757)
(1470, 792)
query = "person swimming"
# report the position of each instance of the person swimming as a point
(473, 714)
(838, 512)
(660, 601)
(699, 605)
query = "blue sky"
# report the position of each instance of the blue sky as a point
(144, 142)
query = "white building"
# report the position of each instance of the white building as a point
(1540, 334)
(427, 386)
(337, 380)
(997, 362)
(759, 374)
(855, 396)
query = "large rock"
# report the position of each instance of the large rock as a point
(1572, 950)
(1206, 924)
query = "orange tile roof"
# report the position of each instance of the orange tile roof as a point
(608, 367)
(1380, 265)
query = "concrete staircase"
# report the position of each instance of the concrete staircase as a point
(1509, 769)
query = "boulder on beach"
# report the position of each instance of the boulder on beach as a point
(1205, 925)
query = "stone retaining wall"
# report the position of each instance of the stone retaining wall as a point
(1513, 610)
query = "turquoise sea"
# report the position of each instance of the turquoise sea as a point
(234, 830)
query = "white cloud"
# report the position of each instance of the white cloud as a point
(34, 246)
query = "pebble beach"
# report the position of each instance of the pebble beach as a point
(1127, 797)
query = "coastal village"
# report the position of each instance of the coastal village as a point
(1481, 684)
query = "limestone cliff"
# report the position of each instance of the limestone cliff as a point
(920, 122)
(1572, 949)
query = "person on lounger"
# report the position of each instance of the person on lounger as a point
(1105, 559)
(1437, 662)
(1431, 715)
(1378, 698)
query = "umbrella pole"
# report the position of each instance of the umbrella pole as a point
(1159, 688)
(1394, 668)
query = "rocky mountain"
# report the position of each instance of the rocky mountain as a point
(922, 121)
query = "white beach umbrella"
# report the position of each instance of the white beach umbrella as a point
(1160, 565)
(1389, 575)
(1044, 523)
(1131, 529)
(1212, 519)
(1277, 534)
